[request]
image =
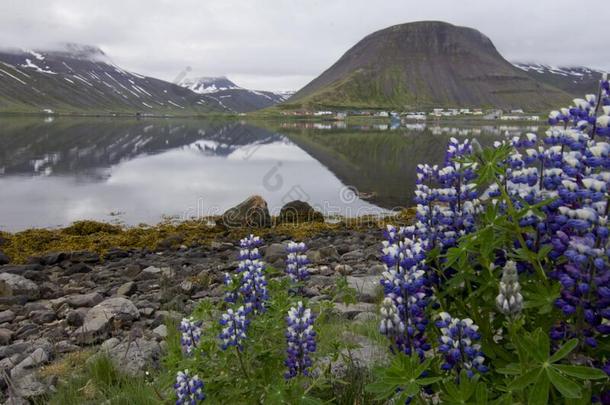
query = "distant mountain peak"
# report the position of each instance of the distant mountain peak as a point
(208, 84)
(82, 51)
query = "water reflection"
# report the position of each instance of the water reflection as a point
(52, 173)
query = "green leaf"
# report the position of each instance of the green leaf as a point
(539, 394)
(526, 379)
(564, 350)
(567, 387)
(584, 373)
(482, 394)
(428, 380)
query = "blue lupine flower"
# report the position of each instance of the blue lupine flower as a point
(234, 324)
(296, 262)
(457, 345)
(189, 390)
(300, 340)
(190, 334)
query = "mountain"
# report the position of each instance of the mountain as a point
(232, 96)
(82, 79)
(576, 80)
(425, 64)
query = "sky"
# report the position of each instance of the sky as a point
(283, 44)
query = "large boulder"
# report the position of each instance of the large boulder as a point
(12, 285)
(135, 356)
(297, 212)
(368, 288)
(99, 319)
(4, 259)
(252, 213)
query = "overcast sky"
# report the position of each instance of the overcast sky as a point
(282, 44)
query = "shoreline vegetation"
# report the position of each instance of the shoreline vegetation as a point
(101, 237)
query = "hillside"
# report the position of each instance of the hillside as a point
(82, 79)
(576, 80)
(425, 64)
(232, 96)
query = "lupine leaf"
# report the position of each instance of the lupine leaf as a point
(564, 350)
(567, 387)
(584, 373)
(526, 379)
(539, 393)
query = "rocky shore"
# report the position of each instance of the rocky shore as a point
(120, 302)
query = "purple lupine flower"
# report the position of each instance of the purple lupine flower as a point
(234, 325)
(189, 390)
(300, 340)
(458, 337)
(296, 262)
(190, 334)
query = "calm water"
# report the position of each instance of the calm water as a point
(53, 172)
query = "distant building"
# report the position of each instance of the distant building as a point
(383, 114)
(517, 111)
(320, 113)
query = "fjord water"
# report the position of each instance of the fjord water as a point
(56, 171)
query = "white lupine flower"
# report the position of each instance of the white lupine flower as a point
(509, 300)
(603, 121)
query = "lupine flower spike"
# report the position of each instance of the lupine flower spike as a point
(458, 345)
(191, 334)
(300, 339)
(510, 301)
(234, 324)
(189, 390)
(296, 262)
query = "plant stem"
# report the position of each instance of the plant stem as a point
(241, 363)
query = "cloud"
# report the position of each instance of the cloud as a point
(286, 43)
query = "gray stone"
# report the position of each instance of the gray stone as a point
(251, 213)
(43, 316)
(152, 270)
(351, 310)
(344, 269)
(29, 386)
(97, 323)
(160, 331)
(14, 285)
(78, 268)
(376, 269)
(135, 357)
(366, 317)
(34, 360)
(354, 255)
(368, 288)
(6, 336)
(85, 300)
(186, 286)
(7, 316)
(75, 318)
(275, 251)
(127, 289)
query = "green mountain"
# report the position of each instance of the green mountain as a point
(423, 65)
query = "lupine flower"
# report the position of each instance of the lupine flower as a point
(234, 324)
(189, 390)
(510, 301)
(300, 339)
(391, 324)
(191, 334)
(296, 262)
(457, 345)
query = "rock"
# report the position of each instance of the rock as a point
(186, 286)
(115, 254)
(53, 258)
(251, 213)
(274, 251)
(7, 316)
(6, 336)
(299, 212)
(367, 288)
(134, 357)
(132, 271)
(84, 300)
(4, 259)
(377, 269)
(35, 359)
(97, 323)
(127, 289)
(344, 269)
(365, 317)
(351, 310)
(29, 386)
(354, 255)
(26, 330)
(16, 401)
(43, 316)
(75, 318)
(160, 331)
(77, 268)
(84, 256)
(16, 285)
(152, 270)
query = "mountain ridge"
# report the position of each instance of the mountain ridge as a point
(425, 64)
